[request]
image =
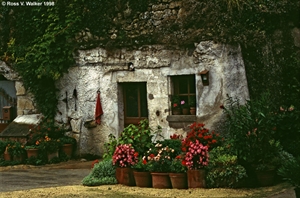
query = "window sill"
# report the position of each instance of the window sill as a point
(181, 121)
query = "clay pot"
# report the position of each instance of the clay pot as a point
(52, 155)
(193, 110)
(185, 111)
(32, 152)
(68, 149)
(178, 180)
(176, 111)
(196, 178)
(161, 180)
(142, 179)
(7, 156)
(125, 176)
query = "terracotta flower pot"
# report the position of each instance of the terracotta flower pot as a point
(142, 179)
(196, 178)
(68, 149)
(176, 111)
(52, 155)
(178, 180)
(125, 176)
(7, 157)
(193, 110)
(185, 111)
(161, 180)
(32, 152)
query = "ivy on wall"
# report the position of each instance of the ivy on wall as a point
(40, 41)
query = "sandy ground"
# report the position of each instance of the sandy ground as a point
(282, 190)
(111, 191)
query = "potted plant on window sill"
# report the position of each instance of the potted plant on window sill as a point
(192, 106)
(185, 108)
(176, 110)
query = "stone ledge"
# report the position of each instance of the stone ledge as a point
(181, 121)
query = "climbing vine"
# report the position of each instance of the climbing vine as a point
(40, 42)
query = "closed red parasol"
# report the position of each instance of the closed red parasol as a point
(98, 110)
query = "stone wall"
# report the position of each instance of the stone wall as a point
(98, 69)
(25, 101)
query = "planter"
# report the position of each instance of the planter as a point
(19, 158)
(125, 176)
(185, 111)
(193, 110)
(196, 178)
(52, 155)
(265, 178)
(142, 179)
(176, 111)
(161, 180)
(32, 152)
(68, 149)
(7, 157)
(178, 180)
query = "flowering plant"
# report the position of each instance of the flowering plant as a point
(184, 104)
(125, 156)
(48, 144)
(159, 158)
(198, 132)
(141, 165)
(197, 155)
(175, 102)
(15, 149)
(178, 164)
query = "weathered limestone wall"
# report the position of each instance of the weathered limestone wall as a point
(25, 101)
(98, 69)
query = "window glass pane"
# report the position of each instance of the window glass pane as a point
(143, 96)
(192, 85)
(131, 98)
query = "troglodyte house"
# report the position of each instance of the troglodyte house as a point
(140, 84)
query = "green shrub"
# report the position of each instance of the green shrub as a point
(224, 170)
(290, 171)
(103, 173)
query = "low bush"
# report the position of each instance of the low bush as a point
(103, 173)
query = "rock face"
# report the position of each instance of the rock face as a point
(107, 71)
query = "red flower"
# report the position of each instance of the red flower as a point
(178, 157)
(175, 105)
(136, 154)
(214, 141)
(144, 162)
(152, 155)
(183, 162)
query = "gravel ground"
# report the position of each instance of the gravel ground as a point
(281, 190)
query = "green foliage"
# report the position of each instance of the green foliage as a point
(175, 144)
(139, 136)
(39, 41)
(290, 171)
(110, 147)
(16, 149)
(224, 170)
(177, 166)
(251, 129)
(102, 173)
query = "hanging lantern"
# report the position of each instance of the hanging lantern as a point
(205, 77)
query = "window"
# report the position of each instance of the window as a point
(135, 103)
(184, 86)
